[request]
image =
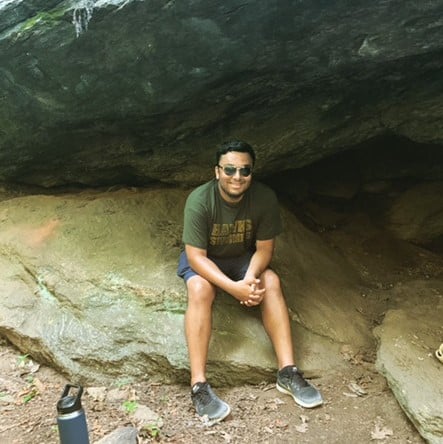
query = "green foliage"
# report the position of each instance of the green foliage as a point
(22, 360)
(32, 389)
(130, 406)
(29, 379)
(30, 395)
(152, 430)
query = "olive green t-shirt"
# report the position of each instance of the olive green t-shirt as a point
(228, 230)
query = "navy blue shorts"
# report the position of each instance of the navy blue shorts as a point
(234, 267)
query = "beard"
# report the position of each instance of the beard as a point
(234, 196)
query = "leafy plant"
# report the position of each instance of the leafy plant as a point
(32, 389)
(153, 430)
(30, 395)
(130, 406)
(22, 360)
(30, 379)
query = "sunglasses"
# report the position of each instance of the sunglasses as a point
(230, 170)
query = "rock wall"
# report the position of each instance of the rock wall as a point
(140, 91)
(89, 285)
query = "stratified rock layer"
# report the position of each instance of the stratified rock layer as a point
(141, 91)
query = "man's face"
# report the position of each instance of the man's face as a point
(232, 188)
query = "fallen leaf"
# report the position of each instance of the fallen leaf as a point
(33, 367)
(281, 424)
(381, 433)
(350, 395)
(302, 428)
(304, 418)
(97, 393)
(357, 389)
(39, 385)
(226, 436)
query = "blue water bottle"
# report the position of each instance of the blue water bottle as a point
(71, 418)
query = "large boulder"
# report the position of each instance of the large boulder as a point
(136, 91)
(89, 285)
(408, 337)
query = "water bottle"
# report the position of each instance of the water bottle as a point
(71, 418)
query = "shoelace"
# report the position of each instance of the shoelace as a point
(203, 394)
(297, 377)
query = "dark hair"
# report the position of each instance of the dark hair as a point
(234, 145)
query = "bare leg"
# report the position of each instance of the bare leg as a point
(276, 318)
(198, 324)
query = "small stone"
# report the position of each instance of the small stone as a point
(123, 435)
(145, 416)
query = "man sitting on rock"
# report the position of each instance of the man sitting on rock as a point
(230, 225)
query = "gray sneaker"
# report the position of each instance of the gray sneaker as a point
(207, 404)
(291, 382)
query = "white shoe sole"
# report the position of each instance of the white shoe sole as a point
(210, 422)
(299, 401)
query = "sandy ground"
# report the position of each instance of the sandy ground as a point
(359, 408)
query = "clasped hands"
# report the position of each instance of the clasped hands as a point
(251, 293)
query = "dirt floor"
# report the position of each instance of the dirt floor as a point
(359, 407)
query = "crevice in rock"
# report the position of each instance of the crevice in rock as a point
(367, 178)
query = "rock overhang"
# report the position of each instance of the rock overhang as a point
(146, 89)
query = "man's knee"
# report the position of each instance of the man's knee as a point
(270, 279)
(200, 290)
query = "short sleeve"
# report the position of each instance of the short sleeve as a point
(195, 223)
(270, 224)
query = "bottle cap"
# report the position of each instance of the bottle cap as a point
(68, 404)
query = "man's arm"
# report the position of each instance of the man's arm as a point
(259, 263)
(261, 258)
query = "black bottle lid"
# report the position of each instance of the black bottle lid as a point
(68, 404)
